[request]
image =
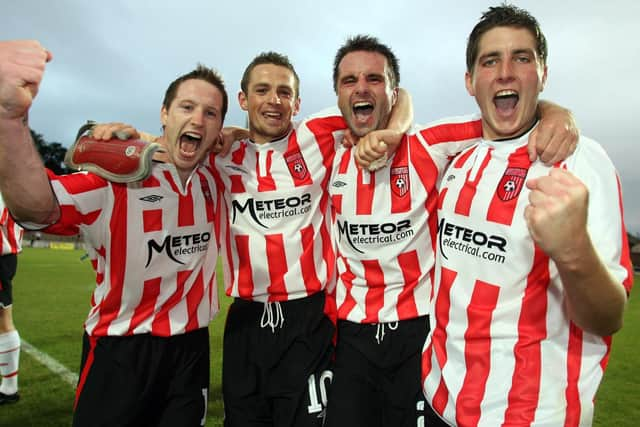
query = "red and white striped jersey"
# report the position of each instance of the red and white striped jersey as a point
(502, 350)
(276, 242)
(385, 223)
(10, 232)
(153, 245)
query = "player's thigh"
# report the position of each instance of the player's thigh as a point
(354, 399)
(112, 390)
(187, 365)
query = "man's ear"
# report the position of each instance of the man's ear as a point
(468, 82)
(242, 100)
(543, 79)
(163, 116)
(296, 106)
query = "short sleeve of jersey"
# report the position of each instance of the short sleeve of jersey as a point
(592, 165)
(81, 197)
(449, 136)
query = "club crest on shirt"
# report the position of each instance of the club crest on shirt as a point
(297, 166)
(511, 183)
(400, 180)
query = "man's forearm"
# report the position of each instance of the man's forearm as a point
(23, 180)
(595, 300)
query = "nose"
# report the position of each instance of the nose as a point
(361, 85)
(505, 71)
(274, 98)
(197, 118)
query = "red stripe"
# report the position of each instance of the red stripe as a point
(401, 202)
(532, 330)
(277, 261)
(364, 193)
(208, 195)
(336, 203)
(410, 266)
(468, 191)
(307, 261)
(439, 336)
(245, 278)
(151, 220)
(501, 211)
(345, 160)
(12, 232)
(374, 301)
(477, 352)
(110, 306)
(77, 183)
(349, 302)
(236, 184)
(194, 298)
(151, 182)
(93, 341)
(150, 292)
(428, 172)
(450, 132)
(574, 364)
(185, 202)
(265, 180)
(294, 148)
(161, 325)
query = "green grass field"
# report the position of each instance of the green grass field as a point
(51, 300)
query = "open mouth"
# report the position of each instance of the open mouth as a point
(189, 143)
(362, 111)
(506, 101)
(272, 115)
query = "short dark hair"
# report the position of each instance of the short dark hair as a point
(505, 15)
(201, 72)
(274, 58)
(367, 43)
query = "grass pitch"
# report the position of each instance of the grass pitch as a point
(51, 299)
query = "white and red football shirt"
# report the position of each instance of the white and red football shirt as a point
(385, 223)
(153, 245)
(10, 232)
(503, 350)
(276, 239)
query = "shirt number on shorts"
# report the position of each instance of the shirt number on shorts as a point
(317, 404)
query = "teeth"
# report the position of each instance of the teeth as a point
(193, 135)
(272, 115)
(507, 92)
(362, 104)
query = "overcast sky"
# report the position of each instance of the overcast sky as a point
(113, 59)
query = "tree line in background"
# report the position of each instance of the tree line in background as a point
(52, 154)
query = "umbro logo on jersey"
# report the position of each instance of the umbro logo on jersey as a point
(511, 183)
(339, 184)
(451, 178)
(152, 198)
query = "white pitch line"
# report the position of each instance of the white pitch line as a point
(52, 364)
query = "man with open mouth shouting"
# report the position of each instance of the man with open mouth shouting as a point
(153, 245)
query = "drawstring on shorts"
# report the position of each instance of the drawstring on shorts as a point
(380, 330)
(272, 315)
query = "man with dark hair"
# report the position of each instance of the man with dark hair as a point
(145, 358)
(533, 271)
(385, 228)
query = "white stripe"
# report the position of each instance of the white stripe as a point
(52, 364)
